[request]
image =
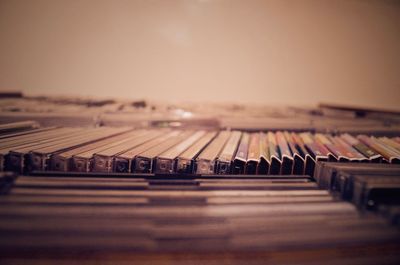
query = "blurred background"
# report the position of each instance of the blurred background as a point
(263, 52)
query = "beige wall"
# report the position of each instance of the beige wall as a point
(248, 51)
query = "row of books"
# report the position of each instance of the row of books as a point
(168, 151)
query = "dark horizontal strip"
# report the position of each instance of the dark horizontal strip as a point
(162, 176)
